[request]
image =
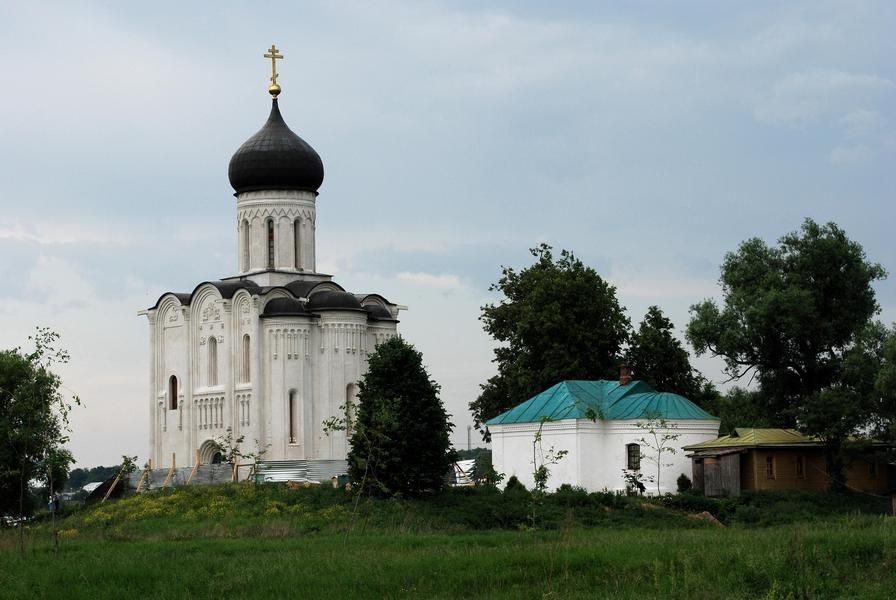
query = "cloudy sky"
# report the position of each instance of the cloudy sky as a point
(648, 137)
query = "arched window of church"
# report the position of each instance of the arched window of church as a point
(297, 237)
(244, 239)
(270, 243)
(292, 416)
(172, 392)
(212, 360)
(244, 363)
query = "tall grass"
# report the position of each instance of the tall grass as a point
(271, 542)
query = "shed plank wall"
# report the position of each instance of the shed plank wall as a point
(730, 474)
(697, 469)
(712, 477)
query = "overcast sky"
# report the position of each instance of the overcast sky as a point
(648, 137)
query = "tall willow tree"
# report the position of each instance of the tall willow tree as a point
(796, 316)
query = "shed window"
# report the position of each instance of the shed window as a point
(769, 467)
(800, 468)
(633, 456)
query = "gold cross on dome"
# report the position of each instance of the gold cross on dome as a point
(273, 54)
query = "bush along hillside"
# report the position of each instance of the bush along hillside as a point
(246, 509)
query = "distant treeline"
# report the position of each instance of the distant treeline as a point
(78, 478)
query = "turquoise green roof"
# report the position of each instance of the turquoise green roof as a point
(576, 399)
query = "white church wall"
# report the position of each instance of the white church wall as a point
(174, 330)
(244, 422)
(286, 341)
(597, 452)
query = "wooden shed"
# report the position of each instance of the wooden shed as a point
(776, 459)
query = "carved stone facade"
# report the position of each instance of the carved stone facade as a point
(270, 353)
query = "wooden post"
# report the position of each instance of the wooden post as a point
(111, 487)
(144, 476)
(195, 468)
(236, 466)
(170, 471)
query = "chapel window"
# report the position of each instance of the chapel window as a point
(800, 468)
(270, 243)
(212, 360)
(297, 237)
(633, 456)
(244, 363)
(172, 392)
(292, 416)
(769, 467)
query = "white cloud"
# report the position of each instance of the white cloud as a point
(862, 122)
(849, 155)
(656, 286)
(49, 232)
(442, 280)
(804, 96)
(60, 281)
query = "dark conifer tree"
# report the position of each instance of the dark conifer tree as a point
(399, 442)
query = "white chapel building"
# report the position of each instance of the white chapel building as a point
(278, 348)
(603, 428)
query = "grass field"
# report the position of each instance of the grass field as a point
(248, 542)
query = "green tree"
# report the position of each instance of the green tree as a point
(739, 407)
(660, 438)
(792, 315)
(558, 319)
(658, 357)
(33, 422)
(400, 443)
(884, 424)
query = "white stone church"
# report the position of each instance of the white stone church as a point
(276, 349)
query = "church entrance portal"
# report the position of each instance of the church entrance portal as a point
(210, 453)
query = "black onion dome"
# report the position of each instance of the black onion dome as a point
(333, 300)
(275, 158)
(283, 307)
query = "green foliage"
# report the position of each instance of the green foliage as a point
(78, 478)
(683, 483)
(799, 317)
(790, 313)
(635, 481)
(400, 445)
(660, 436)
(231, 449)
(657, 357)
(558, 319)
(33, 421)
(740, 408)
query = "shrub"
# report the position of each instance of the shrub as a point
(683, 482)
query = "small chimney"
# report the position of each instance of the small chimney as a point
(625, 374)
